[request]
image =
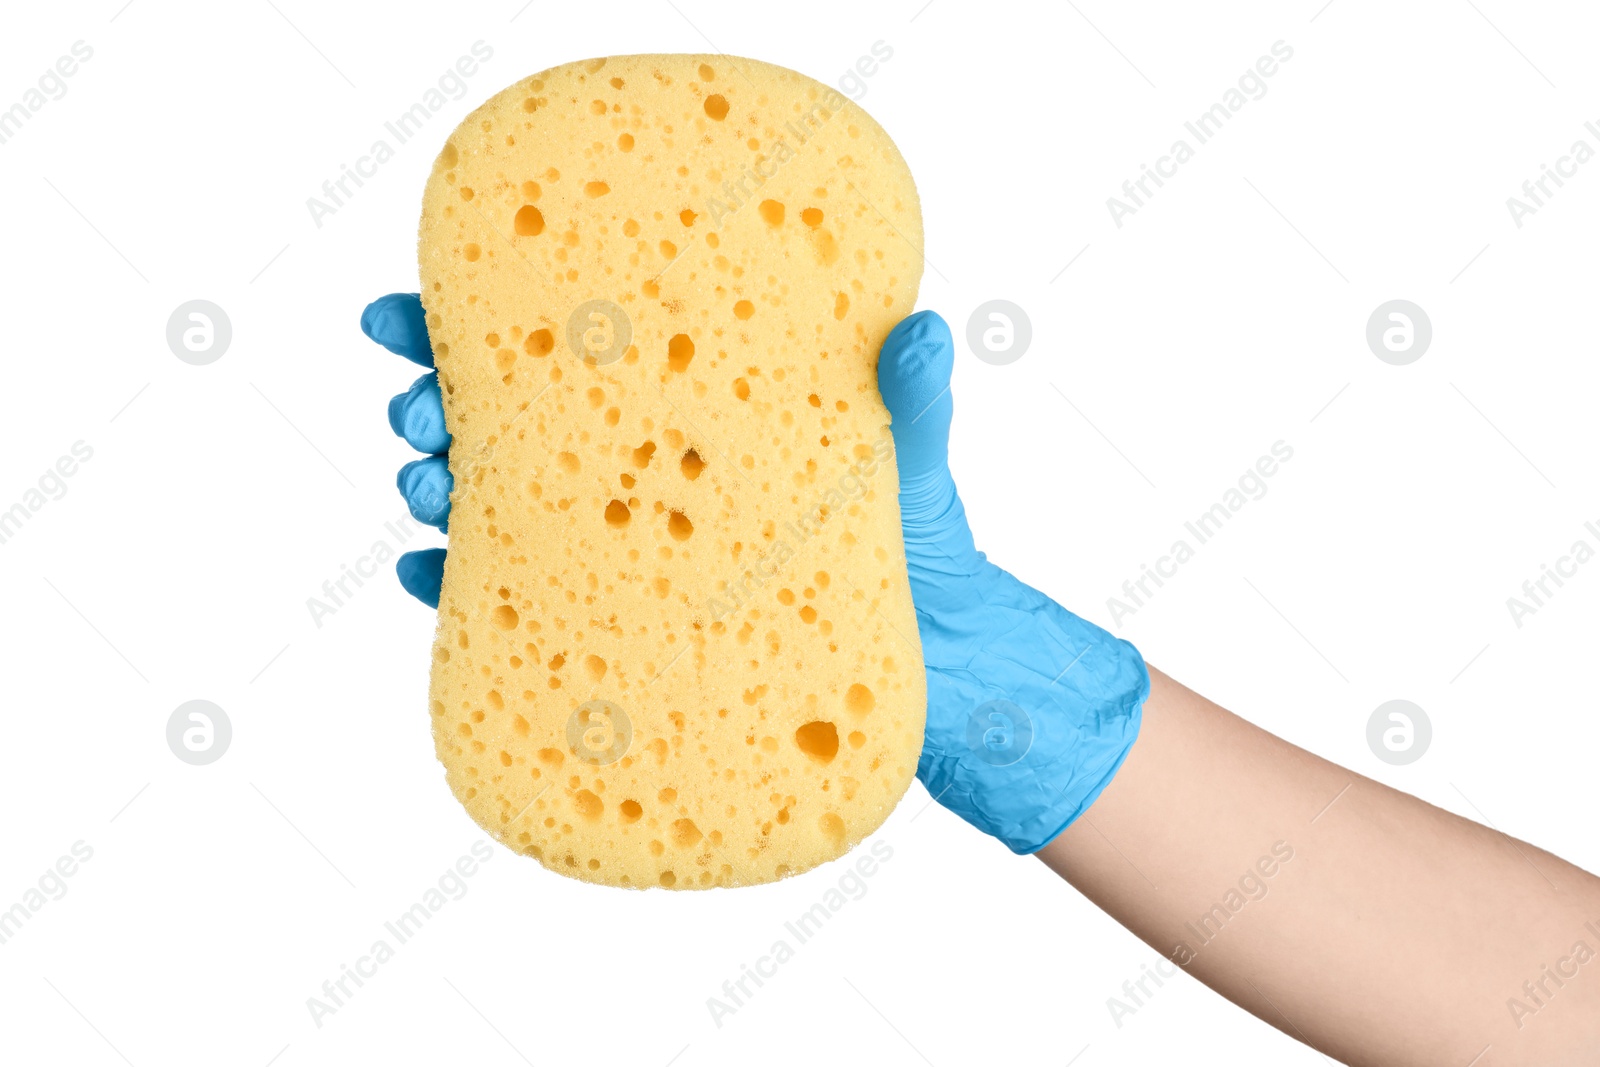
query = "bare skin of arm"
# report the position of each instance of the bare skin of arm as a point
(1359, 920)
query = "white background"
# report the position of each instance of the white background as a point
(1227, 314)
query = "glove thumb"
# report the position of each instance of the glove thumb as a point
(914, 378)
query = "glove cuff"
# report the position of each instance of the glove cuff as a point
(1056, 706)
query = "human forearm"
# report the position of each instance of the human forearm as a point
(1393, 932)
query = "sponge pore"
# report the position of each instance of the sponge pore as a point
(676, 645)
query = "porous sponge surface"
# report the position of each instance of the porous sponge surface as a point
(676, 644)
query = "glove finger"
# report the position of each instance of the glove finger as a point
(421, 574)
(398, 323)
(426, 485)
(418, 416)
(914, 377)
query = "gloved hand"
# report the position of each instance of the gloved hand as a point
(1031, 710)
(397, 323)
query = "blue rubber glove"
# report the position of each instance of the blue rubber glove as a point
(397, 323)
(1031, 710)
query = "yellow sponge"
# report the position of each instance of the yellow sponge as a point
(676, 644)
